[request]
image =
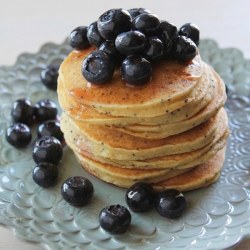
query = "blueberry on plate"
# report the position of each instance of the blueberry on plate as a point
(47, 148)
(50, 128)
(98, 67)
(131, 42)
(78, 38)
(94, 36)
(139, 197)
(136, 70)
(154, 51)
(45, 174)
(147, 23)
(191, 31)
(115, 219)
(22, 111)
(113, 22)
(183, 49)
(18, 135)
(137, 11)
(49, 76)
(170, 203)
(77, 190)
(45, 110)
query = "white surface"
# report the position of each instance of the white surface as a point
(26, 25)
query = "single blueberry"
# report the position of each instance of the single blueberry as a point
(115, 219)
(18, 135)
(77, 190)
(139, 197)
(137, 11)
(136, 70)
(98, 67)
(154, 51)
(110, 48)
(50, 128)
(170, 203)
(191, 31)
(167, 32)
(45, 174)
(183, 49)
(94, 36)
(113, 22)
(22, 111)
(78, 38)
(131, 42)
(49, 76)
(147, 23)
(48, 149)
(45, 110)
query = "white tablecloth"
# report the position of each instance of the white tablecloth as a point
(26, 25)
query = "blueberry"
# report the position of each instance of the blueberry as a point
(94, 36)
(18, 135)
(22, 111)
(131, 42)
(154, 51)
(147, 23)
(50, 128)
(167, 32)
(110, 48)
(45, 174)
(139, 197)
(98, 67)
(191, 31)
(78, 38)
(115, 219)
(183, 49)
(170, 203)
(113, 22)
(47, 148)
(49, 76)
(77, 190)
(136, 70)
(45, 110)
(137, 11)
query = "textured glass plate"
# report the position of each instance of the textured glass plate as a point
(217, 217)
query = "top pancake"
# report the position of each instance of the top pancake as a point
(171, 87)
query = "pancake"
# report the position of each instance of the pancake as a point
(110, 143)
(199, 177)
(178, 161)
(183, 179)
(124, 177)
(167, 161)
(165, 130)
(88, 114)
(172, 85)
(170, 132)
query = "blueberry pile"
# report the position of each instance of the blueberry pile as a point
(135, 40)
(47, 150)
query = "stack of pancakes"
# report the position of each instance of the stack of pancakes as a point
(170, 132)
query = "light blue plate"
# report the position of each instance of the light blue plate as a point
(217, 217)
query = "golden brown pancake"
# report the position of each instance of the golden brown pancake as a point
(165, 130)
(198, 177)
(170, 132)
(110, 143)
(184, 160)
(172, 86)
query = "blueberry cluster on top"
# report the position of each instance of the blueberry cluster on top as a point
(133, 39)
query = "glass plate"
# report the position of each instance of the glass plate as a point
(217, 217)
